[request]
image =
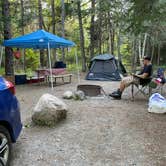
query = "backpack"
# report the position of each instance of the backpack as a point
(160, 75)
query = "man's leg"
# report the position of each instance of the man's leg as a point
(122, 86)
(126, 81)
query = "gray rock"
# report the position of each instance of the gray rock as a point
(68, 95)
(49, 110)
(79, 95)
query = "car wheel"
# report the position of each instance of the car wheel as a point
(5, 146)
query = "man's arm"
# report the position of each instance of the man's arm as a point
(144, 75)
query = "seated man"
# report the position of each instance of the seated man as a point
(141, 78)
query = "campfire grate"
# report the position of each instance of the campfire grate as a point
(91, 90)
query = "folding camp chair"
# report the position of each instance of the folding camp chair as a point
(156, 83)
(144, 88)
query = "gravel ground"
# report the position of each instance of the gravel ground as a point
(97, 132)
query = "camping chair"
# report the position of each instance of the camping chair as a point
(160, 80)
(153, 83)
(144, 88)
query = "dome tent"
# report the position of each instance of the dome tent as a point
(105, 68)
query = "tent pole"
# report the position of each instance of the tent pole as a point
(78, 72)
(49, 57)
(1, 55)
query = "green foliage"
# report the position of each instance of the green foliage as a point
(126, 52)
(144, 14)
(131, 17)
(32, 59)
(2, 71)
(73, 68)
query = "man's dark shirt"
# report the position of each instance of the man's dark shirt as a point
(146, 69)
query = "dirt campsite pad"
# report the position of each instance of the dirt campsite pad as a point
(97, 131)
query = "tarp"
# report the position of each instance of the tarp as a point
(38, 40)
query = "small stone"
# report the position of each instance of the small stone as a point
(68, 95)
(79, 95)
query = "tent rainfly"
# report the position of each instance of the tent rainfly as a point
(105, 68)
(39, 39)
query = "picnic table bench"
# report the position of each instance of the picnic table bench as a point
(66, 78)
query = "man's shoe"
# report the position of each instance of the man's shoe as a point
(115, 92)
(116, 95)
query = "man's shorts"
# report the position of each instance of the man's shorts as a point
(127, 81)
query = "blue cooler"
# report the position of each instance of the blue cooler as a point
(20, 79)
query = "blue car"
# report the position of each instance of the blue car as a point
(10, 122)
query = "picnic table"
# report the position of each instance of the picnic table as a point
(57, 73)
(46, 72)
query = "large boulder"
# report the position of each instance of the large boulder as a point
(49, 110)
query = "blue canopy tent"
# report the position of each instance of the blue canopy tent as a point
(39, 39)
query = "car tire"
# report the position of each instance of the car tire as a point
(5, 146)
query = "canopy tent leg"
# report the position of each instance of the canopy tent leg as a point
(78, 72)
(1, 55)
(49, 57)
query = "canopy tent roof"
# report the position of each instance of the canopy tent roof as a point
(39, 39)
(103, 57)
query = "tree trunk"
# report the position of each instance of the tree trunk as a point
(139, 52)
(22, 16)
(158, 57)
(134, 57)
(22, 31)
(118, 45)
(40, 17)
(53, 26)
(111, 34)
(92, 29)
(112, 40)
(53, 15)
(40, 14)
(9, 63)
(147, 48)
(63, 26)
(144, 45)
(100, 29)
(153, 48)
(81, 36)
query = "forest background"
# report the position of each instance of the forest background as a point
(128, 29)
